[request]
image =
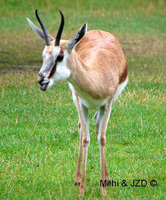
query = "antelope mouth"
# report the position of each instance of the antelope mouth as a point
(44, 86)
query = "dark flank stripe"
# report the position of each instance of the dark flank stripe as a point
(123, 75)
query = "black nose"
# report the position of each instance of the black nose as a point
(40, 78)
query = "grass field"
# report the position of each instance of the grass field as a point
(38, 130)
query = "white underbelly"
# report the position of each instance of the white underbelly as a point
(87, 100)
(92, 103)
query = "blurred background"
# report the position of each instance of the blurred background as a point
(138, 24)
(38, 130)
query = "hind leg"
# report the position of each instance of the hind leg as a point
(103, 121)
(78, 171)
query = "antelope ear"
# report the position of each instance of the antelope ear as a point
(38, 30)
(77, 37)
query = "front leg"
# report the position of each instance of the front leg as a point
(78, 171)
(77, 104)
(83, 116)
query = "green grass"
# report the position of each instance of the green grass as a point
(125, 19)
(38, 130)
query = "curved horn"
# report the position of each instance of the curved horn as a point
(43, 28)
(58, 36)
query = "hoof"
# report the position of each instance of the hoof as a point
(82, 190)
(77, 183)
(102, 191)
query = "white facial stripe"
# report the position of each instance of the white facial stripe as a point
(62, 72)
(49, 60)
(57, 61)
(52, 69)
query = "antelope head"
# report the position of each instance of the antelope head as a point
(54, 68)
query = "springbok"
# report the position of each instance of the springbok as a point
(94, 65)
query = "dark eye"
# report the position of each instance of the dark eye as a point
(60, 57)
